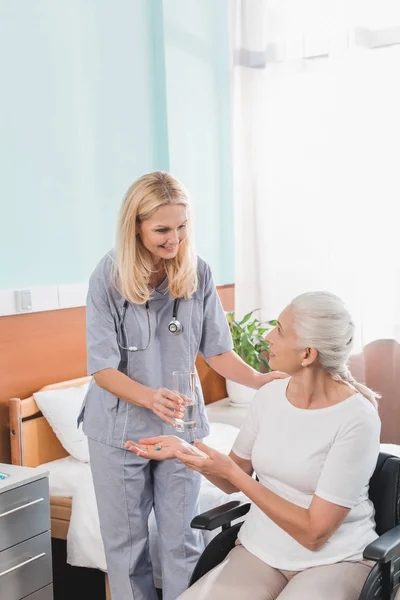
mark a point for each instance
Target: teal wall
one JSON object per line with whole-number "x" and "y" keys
{"x": 94, "y": 94}
{"x": 199, "y": 118}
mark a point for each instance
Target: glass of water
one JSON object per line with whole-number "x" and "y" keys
{"x": 184, "y": 384}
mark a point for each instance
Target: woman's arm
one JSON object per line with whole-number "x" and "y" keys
{"x": 311, "y": 527}
{"x": 227, "y": 486}
{"x": 231, "y": 366}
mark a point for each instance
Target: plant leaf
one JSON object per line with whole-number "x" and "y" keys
{"x": 248, "y": 336}
{"x": 246, "y": 318}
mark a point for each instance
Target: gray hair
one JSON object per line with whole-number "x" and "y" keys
{"x": 322, "y": 321}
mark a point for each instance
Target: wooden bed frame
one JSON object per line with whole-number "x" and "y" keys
{"x": 33, "y": 442}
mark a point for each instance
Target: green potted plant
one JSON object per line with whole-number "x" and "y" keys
{"x": 249, "y": 343}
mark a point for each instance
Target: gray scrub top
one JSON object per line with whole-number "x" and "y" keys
{"x": 113, "y": 421}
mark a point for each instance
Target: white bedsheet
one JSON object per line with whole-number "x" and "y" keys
{"x": 63, "y": 475}
{"x": 71, "y": 478}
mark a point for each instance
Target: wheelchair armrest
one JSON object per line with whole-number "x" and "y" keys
{"x": 385, "y": 548}
{"x": 221, "y": 516}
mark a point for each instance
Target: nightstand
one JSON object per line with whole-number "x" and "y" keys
{"x": 25, "y": 541}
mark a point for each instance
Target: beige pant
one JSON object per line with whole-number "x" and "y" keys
{"x": 243, "y": 576}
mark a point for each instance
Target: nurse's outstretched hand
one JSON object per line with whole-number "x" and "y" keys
{"x": 162, "y": 447}
{"x": 167, "y": 405}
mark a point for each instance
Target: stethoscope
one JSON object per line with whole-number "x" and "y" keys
{"x": 174, "y": 326}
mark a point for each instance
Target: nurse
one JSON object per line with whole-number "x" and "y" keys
{"x": 152, "y": 277}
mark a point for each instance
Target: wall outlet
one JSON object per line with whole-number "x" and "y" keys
{"x": 23, "y": 300}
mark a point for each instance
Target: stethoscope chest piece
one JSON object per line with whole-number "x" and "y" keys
{"x": 175, "y": 327}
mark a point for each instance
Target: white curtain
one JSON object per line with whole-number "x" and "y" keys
{"x": 317, "y": 159}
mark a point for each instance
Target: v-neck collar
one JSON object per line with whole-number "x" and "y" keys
{"x": 161, "y": 289}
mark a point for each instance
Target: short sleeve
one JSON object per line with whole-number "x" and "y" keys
{"x": 101, "y": 336}
{"x": 351, "y": 460}
{"x": 243, "y": 445}
{"x": 216, "y": 336}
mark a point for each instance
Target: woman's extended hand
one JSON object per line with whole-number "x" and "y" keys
{"x": 167, "y": 405}
{"x": 162, "y": 447}
{"x": 213, "y": 462}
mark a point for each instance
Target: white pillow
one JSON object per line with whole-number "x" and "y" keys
{"x": 61, "y": 409}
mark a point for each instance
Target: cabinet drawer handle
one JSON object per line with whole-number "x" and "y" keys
{"x": 26, "y": 562}
{"x": 13, "y": 510}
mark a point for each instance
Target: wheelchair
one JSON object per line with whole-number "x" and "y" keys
{"x": 384, "y": 491}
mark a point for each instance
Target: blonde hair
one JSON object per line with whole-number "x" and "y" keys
{"x": 133, "y": 265}
{"x": 322, "y": 321}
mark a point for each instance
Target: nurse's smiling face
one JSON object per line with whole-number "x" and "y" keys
{"x": 163, "y": 233}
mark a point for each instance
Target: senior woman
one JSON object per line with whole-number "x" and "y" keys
{"x": 313, "y": 440}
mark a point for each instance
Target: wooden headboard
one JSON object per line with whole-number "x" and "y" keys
{"x": 45, "y": 348}
{"x": 33, "y": 442}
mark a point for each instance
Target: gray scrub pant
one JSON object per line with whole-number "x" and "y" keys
{"x": 127, "y": 487}
{"x": 243, "y": 576}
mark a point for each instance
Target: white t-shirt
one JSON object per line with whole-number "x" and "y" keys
{"x": 296, "y": 453}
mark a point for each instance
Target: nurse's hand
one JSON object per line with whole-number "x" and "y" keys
{"x": 264, "y": 378}
{"x": 162, "y": 447}
{"x": 167, "y": 405}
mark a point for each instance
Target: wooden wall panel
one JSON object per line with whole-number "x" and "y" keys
{"x": 37, "y": 349}
{"x": 379, "y": 367}
{"x": 227, "y": 295}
